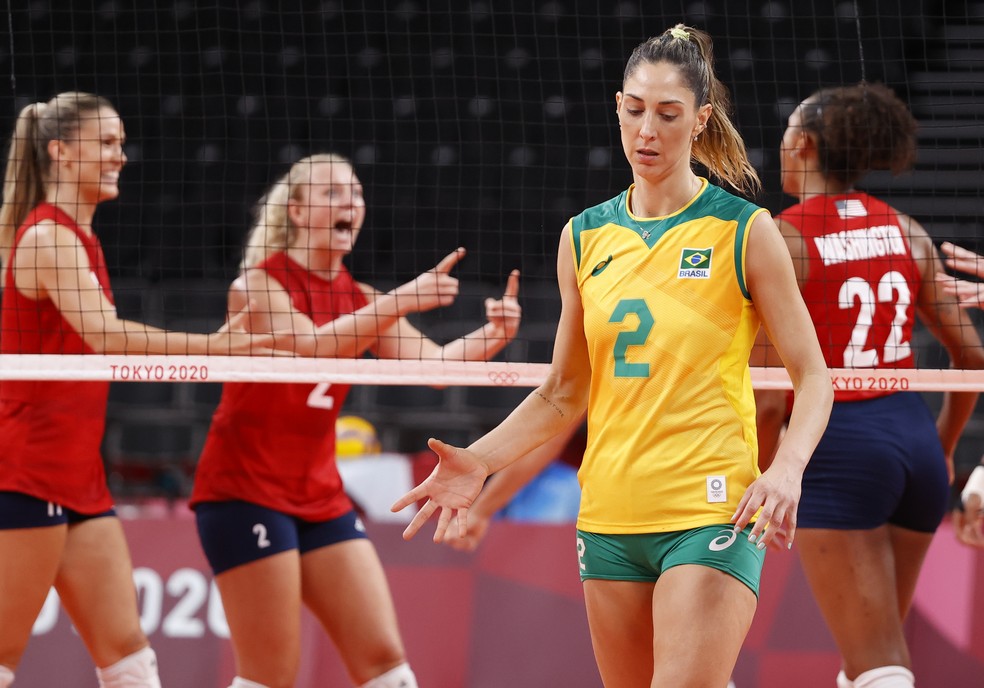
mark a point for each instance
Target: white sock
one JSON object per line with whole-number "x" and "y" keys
{"x": 6, "y": 677}
{"x": 243, "y": 683}
{"x": 397, "y": 677}
{"x": 843, "y": 681}
{"x": 138, "y": 670}
{"x": 886, "y": 677}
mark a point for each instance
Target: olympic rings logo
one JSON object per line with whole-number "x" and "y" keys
{"x": 504, "y": 379}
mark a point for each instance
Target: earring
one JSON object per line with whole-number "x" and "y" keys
{"x": 695, "y": 138}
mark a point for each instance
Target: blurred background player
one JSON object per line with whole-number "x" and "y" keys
{"x": 968, "y": 517}
{"x": 273, "y": 517}
{"x": 876, "y": 488}
{"x": 58, "y": 526}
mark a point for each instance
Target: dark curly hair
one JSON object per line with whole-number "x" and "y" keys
{"x": 860, "y": 128}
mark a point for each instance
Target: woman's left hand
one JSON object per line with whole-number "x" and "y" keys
{"x": 777, "y": 494}
{"x": 505, "y": 313}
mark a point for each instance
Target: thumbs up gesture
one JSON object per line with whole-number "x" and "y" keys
{"x": 432, "y": 289}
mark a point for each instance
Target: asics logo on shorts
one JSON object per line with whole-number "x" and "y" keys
{"x": 722, "y": 542}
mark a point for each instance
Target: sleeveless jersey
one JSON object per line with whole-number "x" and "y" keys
{"x": 273, "y": 444}
{"x": 862, "y": 284}
{"x": 669, "y": 326}
{"x": 51, "y": 432}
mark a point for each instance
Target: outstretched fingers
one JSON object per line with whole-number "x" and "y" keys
{"x": 419, "y": 519}
{"x": 962, "y": 259}
{"x": 776, "y": 521}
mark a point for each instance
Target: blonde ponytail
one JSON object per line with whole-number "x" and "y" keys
{"x": 28, "y": 161}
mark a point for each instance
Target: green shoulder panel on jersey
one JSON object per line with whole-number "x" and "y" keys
{"x": 595, "y": 217}
{"x": 726, "y": 206}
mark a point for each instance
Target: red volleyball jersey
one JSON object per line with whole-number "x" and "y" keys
{"x": 273, "y": 444}
{"x": 862, "y": 285}
{"x": 51, "y": 432}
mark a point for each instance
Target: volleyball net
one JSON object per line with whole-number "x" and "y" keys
{"x": 469, "y": 124}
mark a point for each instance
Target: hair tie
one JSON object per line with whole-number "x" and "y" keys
{"x": 677, "y": 32}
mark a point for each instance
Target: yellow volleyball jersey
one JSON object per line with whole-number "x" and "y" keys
{"x": 669, "y": 325}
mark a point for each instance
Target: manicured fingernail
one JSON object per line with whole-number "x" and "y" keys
{"x": 751, "y": 537}
{"x": 761, "y": 544}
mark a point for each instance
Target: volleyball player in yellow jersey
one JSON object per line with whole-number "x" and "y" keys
{"x": 663, "y": 288}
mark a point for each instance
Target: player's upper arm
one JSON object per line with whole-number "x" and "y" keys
{"x": 51, "y": 262}
{"x": 570, "y": 369}
{"x": 796, "y": 245}
{"x": 773, "y": 286}
{"x": 940, "y": 311}
{"x": 270, "y": 306}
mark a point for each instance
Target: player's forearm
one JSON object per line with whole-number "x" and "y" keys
{"x": 351, "y": 335}
{"x": 812, "y": 402}
{"x": 549, "y": 410}
{"x": 956, "y": 410}
{"x": 480, "y": 345}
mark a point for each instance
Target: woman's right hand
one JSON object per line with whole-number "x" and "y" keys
{"x": 452, "y": 486}
{"x": 234, "y": 339}
{"x": 433, "y": 289}
{"x": 968, "y": 294}
{"x": 968, "y": 522}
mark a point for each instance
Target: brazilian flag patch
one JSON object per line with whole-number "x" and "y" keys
{"x": 695, "y": 263}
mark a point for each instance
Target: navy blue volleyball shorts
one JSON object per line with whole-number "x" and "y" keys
{"x": 18, "y": 510}
{"x": 880, "y": 461}
{"x": 237, "y": 533}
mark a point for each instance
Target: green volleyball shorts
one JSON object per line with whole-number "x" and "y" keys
{"x": 644, "y": 556}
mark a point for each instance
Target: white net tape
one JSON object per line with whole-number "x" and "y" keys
{"x": 390, "y": 372}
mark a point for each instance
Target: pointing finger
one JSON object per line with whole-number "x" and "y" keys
{"x": 450, "y": 260}
{"x": 512, "y": 285}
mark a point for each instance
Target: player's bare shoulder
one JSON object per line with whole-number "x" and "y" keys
{"x": 918, "y": 238}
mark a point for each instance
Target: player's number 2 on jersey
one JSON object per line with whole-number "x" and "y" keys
{"x": 636, "y": 337}
{"x": 857, "y": 292}
{"x": 320, "y": 398}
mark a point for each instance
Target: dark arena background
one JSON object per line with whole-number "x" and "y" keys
{"x": 485, "y": 125}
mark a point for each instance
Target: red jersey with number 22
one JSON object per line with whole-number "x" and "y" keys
{"x": 51, "y": 431}
{"x": 273, "y": 444}
{"x": 862, "y": 283}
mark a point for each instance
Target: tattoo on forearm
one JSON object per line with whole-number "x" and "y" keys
{"x": 555, "y": 407}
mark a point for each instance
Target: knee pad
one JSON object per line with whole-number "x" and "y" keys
{"x": 397, "y": 677}
{"x": 138, "y": 670}
{"x": 6, "y": 677}
{"x": 886, "y": 677}
{"x": 243, "y": 683}
{"x": 843, "y": 681}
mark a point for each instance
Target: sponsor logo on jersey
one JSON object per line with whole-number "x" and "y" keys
{"x": 600, "y": 267}
{"x": 695, "y": 263}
